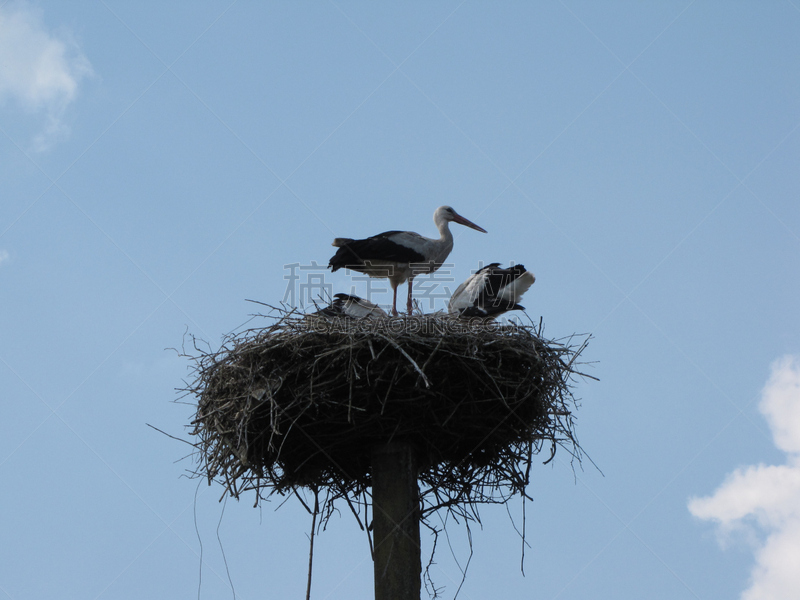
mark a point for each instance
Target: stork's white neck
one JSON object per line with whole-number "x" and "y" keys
{"x": 441, "y": 249}
{"x": 443, "y": 225}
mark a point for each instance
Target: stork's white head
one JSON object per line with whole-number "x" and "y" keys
{"x": 444, "y": 214}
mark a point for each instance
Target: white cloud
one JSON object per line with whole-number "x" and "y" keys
{"x": 4, "y": 256}
{"x": 39, "y": 71}
{"x": 764, "y": 498}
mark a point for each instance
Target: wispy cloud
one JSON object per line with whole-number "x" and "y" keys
{"x": 39, "y": 70}
{"x": 4, "y": 256}
{"x": 764, "y": 499}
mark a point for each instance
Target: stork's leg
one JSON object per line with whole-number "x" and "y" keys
{"x": 410, "y": 285}
{"x": 394, "y": 300}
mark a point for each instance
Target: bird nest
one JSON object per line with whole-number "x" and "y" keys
{"x": 302, "y": 402}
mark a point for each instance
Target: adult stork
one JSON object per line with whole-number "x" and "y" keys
{"x": 345, "y": 305}
{"x": 491, "y": 291}
{"x": 400, "y": 255}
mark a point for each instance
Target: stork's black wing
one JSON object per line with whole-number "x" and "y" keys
{"x": 355, "y": 253}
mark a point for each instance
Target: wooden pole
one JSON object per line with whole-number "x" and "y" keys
{"x": 395, "y": 522}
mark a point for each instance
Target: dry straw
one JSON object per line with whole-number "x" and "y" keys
{"x": 301, "y": 403}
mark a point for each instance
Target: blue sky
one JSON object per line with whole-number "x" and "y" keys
{"x": 160, "y": 163}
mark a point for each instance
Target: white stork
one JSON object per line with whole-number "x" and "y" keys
{"x": 491, "y": 291}
{"x": 399, "y": 255}
{"x": 345, "y": 305}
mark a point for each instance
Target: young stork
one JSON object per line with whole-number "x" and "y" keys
{"x": 491, "y": 291}
{"x": 399, "y": 255}
{"x": 345, "y": 305}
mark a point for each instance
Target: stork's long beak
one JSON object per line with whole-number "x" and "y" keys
{"x": 462, "y": 221}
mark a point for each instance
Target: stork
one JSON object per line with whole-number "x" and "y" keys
{"x": 491, "y": 291}
{"x": 345, "y": 305}
{"x": 400, "y": 255}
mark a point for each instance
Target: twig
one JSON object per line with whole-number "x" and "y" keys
{"x": 411, "y": 360}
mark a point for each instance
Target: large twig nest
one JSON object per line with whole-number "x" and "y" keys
{"x": 302, "y": 403}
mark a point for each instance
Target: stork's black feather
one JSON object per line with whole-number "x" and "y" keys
{"x": 495, "y": 295}
{"x": 345, "y": 305}
{"x": 355, "y": 253}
